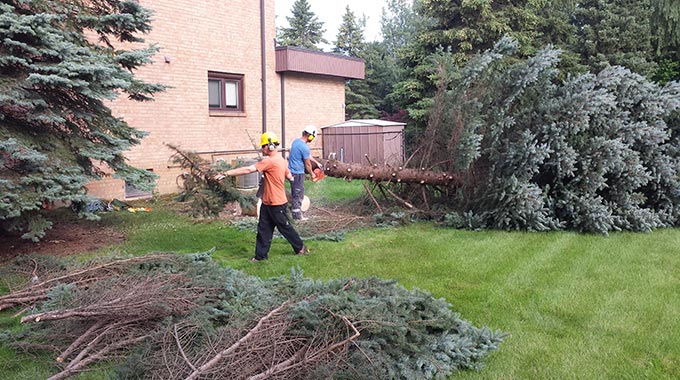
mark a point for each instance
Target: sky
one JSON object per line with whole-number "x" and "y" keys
{"x": 330, "y": 12}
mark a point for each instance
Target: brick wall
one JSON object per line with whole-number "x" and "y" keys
{"x": 312, "y": 99}
{"x": 197, "y": 37}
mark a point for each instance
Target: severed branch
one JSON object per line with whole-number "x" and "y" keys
{"x": 99, "y": 355}
{"x": 283, "y": 366}
{"x": 370, "y": 194}
{"x": 93, "y": 344}
{"x": 38, "y": 291}
{"x": 299, "y": 357}
{"x": 138, "y": 298}
{"x": 427, "y": 204}
{"x": 339, "y": 344}
{"x": 234, "y": 346}
{"x": 407, "y": 204}
{"x": 181, "y": 350}
{"x": 81, "y": 339}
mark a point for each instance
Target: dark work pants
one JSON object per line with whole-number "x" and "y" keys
{"x": 270, "y": 217}
{"x": 297, "y": 189}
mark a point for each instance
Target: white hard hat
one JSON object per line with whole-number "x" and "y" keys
{"x": 310, "y": 130}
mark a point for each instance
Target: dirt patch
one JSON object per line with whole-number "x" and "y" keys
{"x": 65, "y": 238}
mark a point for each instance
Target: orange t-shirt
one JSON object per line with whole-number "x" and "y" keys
{"x": 275, "y": 170}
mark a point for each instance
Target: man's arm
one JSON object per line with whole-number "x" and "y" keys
{"x": 234, "y": 172}
{"x": 242, "y": 170}
{"x": 318, "y": 164}
{"x": 308, "y": 167}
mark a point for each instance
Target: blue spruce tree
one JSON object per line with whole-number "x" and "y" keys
{"x": 595, "y": 152}
{"x": 59, "y": 62}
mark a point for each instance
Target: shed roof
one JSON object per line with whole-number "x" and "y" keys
{"x": 295, "y": 59}
{"x": 365, "y": 122}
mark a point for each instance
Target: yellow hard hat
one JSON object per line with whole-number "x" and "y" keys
{"x": 269, "y": 138}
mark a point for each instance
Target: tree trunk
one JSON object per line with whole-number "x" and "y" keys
{"x": 399, "y": 174}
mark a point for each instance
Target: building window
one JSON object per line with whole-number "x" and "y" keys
{"x": 225, "y": 92}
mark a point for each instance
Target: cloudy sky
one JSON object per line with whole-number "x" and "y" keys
{"x": 331, "y": 12}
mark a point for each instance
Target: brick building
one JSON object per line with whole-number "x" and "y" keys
{"x": 228, "y": 83}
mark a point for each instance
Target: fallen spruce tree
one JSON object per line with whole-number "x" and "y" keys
{"x": 170, "y": 316}
{"x": 510, "y": 144}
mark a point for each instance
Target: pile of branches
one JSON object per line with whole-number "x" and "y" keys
{"x": 272, "y": 349}
{"x": 183, "y": 317}
{"x": 101, "y": 310}
{"x": 45, "y": 274}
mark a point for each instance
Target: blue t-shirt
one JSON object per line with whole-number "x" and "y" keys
{"x": 299, "y": 152}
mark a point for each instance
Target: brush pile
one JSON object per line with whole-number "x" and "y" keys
{"x": 168, "y": 316}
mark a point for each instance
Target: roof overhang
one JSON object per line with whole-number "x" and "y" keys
{"x": 366, "y": 123}
{"x": 299, "y": 60}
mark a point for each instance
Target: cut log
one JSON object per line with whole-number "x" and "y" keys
{"x": 378, "y": 173}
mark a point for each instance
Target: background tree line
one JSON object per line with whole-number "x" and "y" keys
{"x": 641, "y": 35}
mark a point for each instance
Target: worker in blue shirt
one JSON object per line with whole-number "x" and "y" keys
{"x": 299, "y": 160}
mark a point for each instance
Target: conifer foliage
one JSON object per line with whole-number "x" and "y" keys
{"x": 58, "y": 64}
{"x": 304, "y": 30}
{"x": 350, "y": 37}
{"x": 593, "y": 153}
{"x": 206, "y": 194}
{"x": 183, "y": 317}
{"x": 360, "y": 98}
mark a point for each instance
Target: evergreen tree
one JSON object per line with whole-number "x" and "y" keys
{"x": 556, "y": 27}
{"x": 360, "y": 100}
{"x": 350, "y": 38}
{"x": 464, "y": 29}
{"x": 304, "y": 28}
{"x": 598, "y": 153}
{"x": 665, "y": 26}
{"x": 614, "y": 32}
{"x": 56, "y": 133}
{"x": 382, "y": 72}
{"x": 398, "y": 24}
{"x": 593, "y": 35}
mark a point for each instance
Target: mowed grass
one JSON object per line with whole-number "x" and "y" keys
{"x": 576, "y": 306}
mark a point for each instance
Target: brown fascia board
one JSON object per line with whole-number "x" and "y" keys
{"x": 299, "y": 60}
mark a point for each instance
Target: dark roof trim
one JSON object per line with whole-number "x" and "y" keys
{"x": 365, "y": 123}
{"x": 299, "y": 60}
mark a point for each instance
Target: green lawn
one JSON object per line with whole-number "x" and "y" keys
{"x": 576, "y": 306}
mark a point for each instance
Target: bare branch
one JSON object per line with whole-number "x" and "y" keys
{"x": 181, "y": 350}
{"x": 234, "y": 346}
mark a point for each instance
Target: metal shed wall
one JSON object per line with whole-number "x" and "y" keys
{"x": 383, "y": 144}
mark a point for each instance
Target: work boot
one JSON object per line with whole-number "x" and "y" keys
{"x": 303, "y": 251}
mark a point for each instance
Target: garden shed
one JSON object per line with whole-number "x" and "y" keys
{"x": 381, "y": 140}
